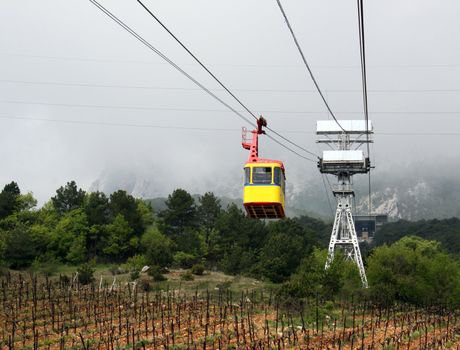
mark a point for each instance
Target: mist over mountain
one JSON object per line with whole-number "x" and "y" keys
{"x": 412, "y": 191}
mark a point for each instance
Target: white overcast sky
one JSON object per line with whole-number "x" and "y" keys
{"x": 66, "y": 61}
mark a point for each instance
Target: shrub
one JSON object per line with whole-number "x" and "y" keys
{"x": 116, "y": 270}
{"x": 144, "y": 284}
{"x": 134, "y": 266}
{"x": 86, "y": 273}
{"x": 198, "y": 269}
{"x": 187, "y": 276}
{"x": 134, "y": 275}
{"x": 136, "y": 262}
{"x": 156, "y": 273}
{"x": 47, "y": 266}
{"x": 413, "y": 270}
{"x": 224, "y": 285}
{"x": 184, "y": 260}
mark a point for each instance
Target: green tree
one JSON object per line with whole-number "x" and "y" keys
{"x": 26, "y": 201}
{"x": 239, "y": 240}
{"x": 238, "y": 260}
{"x": 209, "y": 211}
{"x": 41, "y": 237}
{"x": 321, "y": 230}
{"x": 99, "y": 215}
{"x": 236, "y": 229}
{"x": 181, "y": 213}
{"x": 68, "y": 197}
{"x": 286, "y": 244}
{"x": 157, "y": 248}
{"x": 19, "y": 250}
{"x": 124, "y": 204}
{"x": 68, "y": 238}
{"x": 145, "y": 211}
{"x": 77, "y": 251}
{"x": 97, "y": 209}
{"x": 119, "y": 241}
{"x": 9, "y": 199}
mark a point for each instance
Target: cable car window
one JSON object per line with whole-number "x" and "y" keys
{"x": 283, "y": 184}
{"x": 262, "y": 175}
{"x": 247, "y": 176}
{"x": 277, "y": 176}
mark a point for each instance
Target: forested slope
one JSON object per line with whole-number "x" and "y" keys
{"x": 446, "y": 231}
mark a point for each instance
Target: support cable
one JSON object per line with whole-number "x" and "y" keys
{"x": 290, "y": 149}
{"x": 362, "y": 49}
{"x": 218, "y": 80}
{"x": 197, "y": 60}
{"x": 164, "y": 57}
{"x": 307, "y": 65}
{"x": 327, "y": 193}
{"x": 159, "y": 53}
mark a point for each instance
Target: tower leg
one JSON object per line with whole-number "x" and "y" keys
{"x": 334, "y": 236}
{"x": 356, "y": 250}
{"x": 344, "y": 234}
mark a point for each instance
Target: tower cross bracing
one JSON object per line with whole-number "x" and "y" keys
{"x": 344, "y": 160}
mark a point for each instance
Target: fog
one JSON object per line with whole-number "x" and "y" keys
{"x": 83, "y": 100}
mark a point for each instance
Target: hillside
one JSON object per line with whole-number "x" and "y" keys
{"x": 447, "y": 232}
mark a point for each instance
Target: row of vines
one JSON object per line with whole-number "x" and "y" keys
{"x": 42, "y": 313}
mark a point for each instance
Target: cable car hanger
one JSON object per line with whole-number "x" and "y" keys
{"x": 264, "y": 184}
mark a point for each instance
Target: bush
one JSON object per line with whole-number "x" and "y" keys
{"x": 198, "y": 269}
{"x": 144, "y": 284}
{"x": 86, "y": 273}
{"x": 46, "y": 266}
{"x": 134, "y": 275}
{"x": 341, "y": 277}
{"x": 187, "y": 276}
{"x": 134, "y": 266}
{"x": 413, "y": 270}
{"x": 156, "y": 273}
{"x": 184, "y": 260}
{"x": 224, "y": 285}
{"x": 116, "y": 270}
{"x": 136, "y": 262}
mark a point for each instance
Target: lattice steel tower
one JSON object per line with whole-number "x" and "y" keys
{"x": 344, "y": 160}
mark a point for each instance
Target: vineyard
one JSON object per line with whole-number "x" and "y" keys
{"x": 42, "y": 313}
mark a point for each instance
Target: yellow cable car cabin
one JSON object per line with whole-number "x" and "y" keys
{"x": 264, "y": 185}
{"x": 264, "y": 181}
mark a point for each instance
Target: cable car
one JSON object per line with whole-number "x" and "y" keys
{"x": 264, "y": 179}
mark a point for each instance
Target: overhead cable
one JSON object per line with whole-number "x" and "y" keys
{"x": 439, "y": 113}
{"x": 307, "y": 65}
{"x": 217, "y": 79}
{"x": 173, "y": 127}
{"x": 146, "y": 87}
{"x": 197, "y": 60}
{"x": 159, "y": 53}
{"x": 362, "y": 49}
{"x": 327, "y": 194}
{"x": 271, "y": 66}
